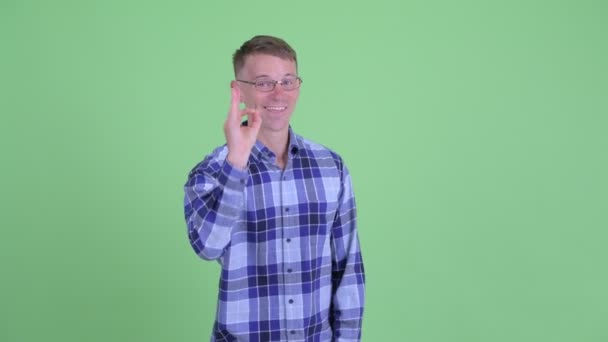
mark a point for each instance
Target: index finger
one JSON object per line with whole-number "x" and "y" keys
{"x": 235, "y": 102}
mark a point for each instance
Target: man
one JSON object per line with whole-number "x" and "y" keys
{"x": 278, "y": 213}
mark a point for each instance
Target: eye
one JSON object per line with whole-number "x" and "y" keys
{"x": 264, "y": 84}
{"x": 288, "y": 82}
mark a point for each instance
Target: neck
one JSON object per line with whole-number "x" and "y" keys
{"x": 277, "y": 143}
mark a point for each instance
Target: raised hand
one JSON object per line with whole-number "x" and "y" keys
{"x": 240, "y": 139}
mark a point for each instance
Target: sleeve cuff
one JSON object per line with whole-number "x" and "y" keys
{"x": 233, "y": 178}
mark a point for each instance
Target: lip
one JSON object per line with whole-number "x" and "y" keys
{"x": 275, "y": 109}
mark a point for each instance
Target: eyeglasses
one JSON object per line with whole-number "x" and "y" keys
{"x": 289, "y": 83}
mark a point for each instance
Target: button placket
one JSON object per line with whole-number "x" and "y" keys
{"x": 290, "y": 254}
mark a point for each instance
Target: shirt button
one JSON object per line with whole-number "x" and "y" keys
{"x": 242, "y": 181}
{"x": 291, "y": 301}
{"x": 293, "y": 332}
{"x": 286, "y": 209}
{"x": 288, "y": 240}
{"x": 289, "y": 270}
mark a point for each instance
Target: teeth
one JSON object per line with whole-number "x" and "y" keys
{"x": 275, "y": 108}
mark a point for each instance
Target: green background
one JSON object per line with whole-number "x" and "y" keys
{"x": 475, "y": 131}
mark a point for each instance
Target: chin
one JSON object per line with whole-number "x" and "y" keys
{"x": 276, "y": 123}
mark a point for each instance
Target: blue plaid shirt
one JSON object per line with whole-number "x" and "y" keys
{"x": 286, "y": 240}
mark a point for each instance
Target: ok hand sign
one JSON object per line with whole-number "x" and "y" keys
{"x": 240, "y": 139}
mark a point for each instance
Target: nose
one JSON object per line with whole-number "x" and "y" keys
{"x": 278, "y": 89}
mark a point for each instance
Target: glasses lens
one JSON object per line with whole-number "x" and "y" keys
{"x": 290, "y": 83}
{"x": 264, "y": 85}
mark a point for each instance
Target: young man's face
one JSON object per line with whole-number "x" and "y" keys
{"x": 276, "y": 106}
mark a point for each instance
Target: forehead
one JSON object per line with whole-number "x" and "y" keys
{"x": 259, "y": 65}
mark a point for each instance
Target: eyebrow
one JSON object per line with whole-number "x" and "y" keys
{"x": 267, "y": 76}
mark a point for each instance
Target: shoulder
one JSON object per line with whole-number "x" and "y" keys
{"x": 211, "y": 163}
{"x": 320, "y": 153}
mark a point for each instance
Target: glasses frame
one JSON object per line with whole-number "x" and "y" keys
{"x": 274, "y": 84}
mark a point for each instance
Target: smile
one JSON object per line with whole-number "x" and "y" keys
{"x": 275, "y": 108}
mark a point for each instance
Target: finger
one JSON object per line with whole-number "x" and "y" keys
{"x": 234, "y": 113}
{"x": 255, "y": 120}
{"x": 242, "y": 114}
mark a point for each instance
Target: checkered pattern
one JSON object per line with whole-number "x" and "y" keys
{"x": 287, "y": 243}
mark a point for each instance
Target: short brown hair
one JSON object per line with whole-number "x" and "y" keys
{"x": 267, "y": 45}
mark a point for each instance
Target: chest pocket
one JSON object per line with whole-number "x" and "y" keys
{"x": 318, "y": 190}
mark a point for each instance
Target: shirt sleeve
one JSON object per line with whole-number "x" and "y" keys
{"x": 348, "y": 276}
{"x": 214, "y": 198}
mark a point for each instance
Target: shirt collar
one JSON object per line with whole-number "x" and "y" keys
{"x": 260, "y": 152}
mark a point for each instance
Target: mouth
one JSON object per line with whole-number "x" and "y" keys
{"x": 275, "y": 109}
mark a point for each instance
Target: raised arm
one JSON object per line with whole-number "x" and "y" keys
{"x": 214, "y": 192}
